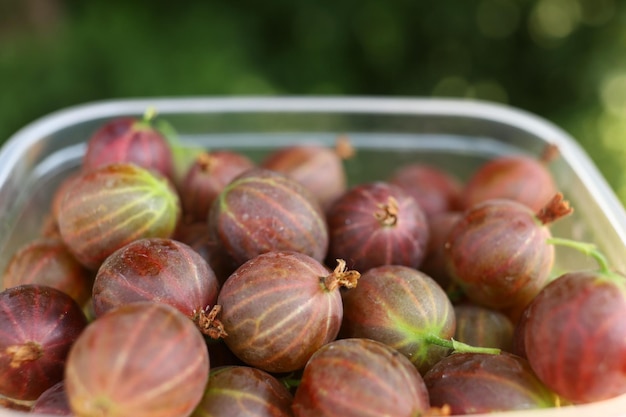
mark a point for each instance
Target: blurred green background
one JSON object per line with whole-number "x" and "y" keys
{"x": 564, "y": 60}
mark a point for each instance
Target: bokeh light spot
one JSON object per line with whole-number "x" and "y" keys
{"x": 488, "y": 90}
{"x": 452, "y": 86}
{"x": 597, "y": 12}
{"x": 611, "y": 130}
{"x": 497, "y": 18}
{"x": 553, "y": 20}
{"x": 613, "y": 94}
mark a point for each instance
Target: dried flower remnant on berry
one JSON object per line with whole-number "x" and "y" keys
{"x": 555, "y": 209}
{"x": 344, "y": 148}
{"x": 29, "y": 351}
{"x": 387, "y": 214}
{"x": 207, "y": 322}
{"x": 341, "y": 276}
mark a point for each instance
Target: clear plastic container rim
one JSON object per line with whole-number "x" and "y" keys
{"x": 451, "y": 107}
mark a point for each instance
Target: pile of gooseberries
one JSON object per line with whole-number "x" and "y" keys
{"x": 216, "y": 284}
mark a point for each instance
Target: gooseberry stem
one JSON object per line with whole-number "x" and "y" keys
{"x": 460, "y": 347}
{"x": 149, "y": 114}
{"x": 146, "y": 121}
{"x": 588, "y": 249}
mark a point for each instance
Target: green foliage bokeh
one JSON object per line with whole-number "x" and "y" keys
{"x": 560, "y": 59}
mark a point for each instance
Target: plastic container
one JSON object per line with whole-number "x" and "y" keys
{"x": 456, "y": 134}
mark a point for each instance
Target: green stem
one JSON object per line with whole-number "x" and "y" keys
{"x": 145, "y": 123}
{"x": 588, "y": 249}
{"x": 459, "y": 347}
{"x": 149, "y": 115}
